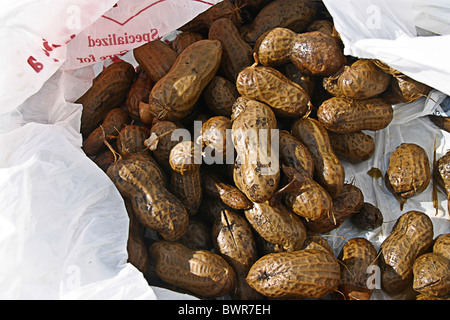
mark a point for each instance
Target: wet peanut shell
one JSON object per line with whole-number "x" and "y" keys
{"x": 109, "y": 90}
{"x": 156, "y": 58}
{"x": 174, "y": 96}
{"x": 293, "y": 73}
{"x": 219, "y": 96}
{"x": 411, "y": 236}
{"x": 156, "y": 208}
{"x": 441, "y": 245}
{"x": 327, "y": 27}
{"x": 353, "y": 147}
{"x": 161, "y": 142}
{"x": 274, "y": 46}
{"x": 328, "y": 170}
{"x": 197, "y": 235}
{"x": 431, "y": 275}
{"x": 368, "y": 218}
{"x": 216, "y": 132}
{"x": 185, "y": 39}
{"x": 316, "y": 53}
{"x": 408, "y": 172}
{"x": 201, "y": 272}
{"x": 360, "y": 80}
{"x": 295, "y": 154}
{"x": 104, "y": 159}
{"x": 349, "y": 201}
{"x": 236, "y": 53}
{"x": 256, "y": 173}
{"x": 277, "y": 225}
{"x": 231, "y": 196}
{"x": 233, "y": 239}
{"x": 114, "y": 121}
{"x": 298, "y": 274}
{"x": 257, "y": 82}
{"x": 317, "y": 242}
{"x": 441, "y": 122}
{"x": 344, "y": 115}
{"x": 357, "y": 255}
{"x": 186, "y": 182}
{"x": 441, "y": 173}
{"x": 291, "y": 14}
{"x": 138, "y": 93}
{"x": 130, "y": 140}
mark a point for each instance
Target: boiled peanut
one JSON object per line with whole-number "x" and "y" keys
{"x": 174, "y": 96}
{"x": 306, "y": 82}
{"x": 156, "y": 208}
{"x": 344, "y": 115}
{"x": 411, "y": 236}
{"x": 274, "y": 46}
{"x": 368, "y": 218}
{"x": 104, "y": 159}
{"x": 277, "y": 225}
{"x": 184, "y": 40}
{"x": 197, "y": 235}
{"x": 291, "y": 14}
{"x": 441, "y": 174}
{"x": 109, "y": 90}
{"x": 441, "y": 245}
{"x": 257, "y": 172}
{"x": 136, "y": 247}
{"x": 357, "y": 256}
{"x": 131, "y": 140}
{"x": 219, "y": 96}
{"x": 114, "y": 121}
{"x": 216, "y": 133}
{"x": 360, "y": 80}
{"x": 328, "y": 170}
{"x": 431, "y": 275}
{"x": 186, "y": 181}
{"x": 161, "y": 142}
{"x": 156, "y": 58}
{"x": 353, "y": 147}
{"x": 233, "y": 238}
{"x": 138, "y": 93}
{"x": 317, "y": 242}
{"x": 201, "y": 272}
{"x": 408, "y": 172}
{"x": 257, "y": 82}
{"x": 236, "y": 53}
{"x": 403, "y": 89}
{"x": 295, "y": 154}
{"x": 304, "y": 273}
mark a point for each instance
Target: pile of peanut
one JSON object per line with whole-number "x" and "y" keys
{"x": 227, "y": 218}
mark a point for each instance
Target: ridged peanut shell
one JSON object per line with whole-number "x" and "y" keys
{"x": 431, "y": 273}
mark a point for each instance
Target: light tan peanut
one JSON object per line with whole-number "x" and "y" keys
{"x": 411, "y": 236}
{"x": 431, "y": 275}
{"x": 215, "y": 134}
{"x": 354, "y": 147}
{"x": 201, "y": 272}
{"x": 441, "y": 245}
{"x": 304, "y": 273}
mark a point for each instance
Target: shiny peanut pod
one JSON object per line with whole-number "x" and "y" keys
{"x": 175, "y": 95}
{"x": 408, "y": 172}
{"x": 304, "y": 273}
{"x": 236, "y": 53}
{"x": 277, "y": 225}
{"x": 431, "y": 275}
{"x": 219, "y": 96}
{"x": 289, "y": 100}
{"x": 185, "y": 39}
{"x": 201, "y": 272}
{"x": 138, "y": 93}
{"x": 273, "y": 47}
{"x": 354, "y": 147}
{"x": 441, "y": 245}
{"x": 197, "y": 235}
{"x": 358, "y": 256}
{"x": 215, "y": 135}
{"x": 295, "y": 154}
{"x": 114, "y": 121}
{"x": 130, "y": 140}
{"x": 344, "y": 115}
{"x": 156, "y": 208}
{"x": 411, "y": 236}
{"x": 328, "y": 170}
{"x": 109, "y": 90}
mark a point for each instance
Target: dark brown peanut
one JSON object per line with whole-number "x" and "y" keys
{"x": 236, "y": 53}
{"x": 368, "y": 218}
{"x": 295, "y": 154}
{"x": 277, "y": 225}
{"x": 156, "y": 58}
{"x": 186, "y": 181}
{"x": 138, "y": 93}
{"x": 175, "y": 95}
{"x": 201, "y": 272}
{"x": 137, "y": 249}
{"x": 104, "y": 159}
{"x": 197, "y": 235}
{"x": 441, "y": 174}
{"x": 161, "y": 142}
{"x": 299, "y": 274}
{"x": 114, "y": 121}
{"x": 109, "y": 90}
{"x": 328, "y": 170}
{"x": 219, "y": 96}
{"x": 357, "y": 256}
{"x": 408, "y": 172}
{"x": 233, "y": 238}
{"x": 131, "y": 140}
{"x": 306, "y": 82}
{"x": 184, "y": 40}
{"x": 354, "y": 147}
{"x": 361, "y": 80}
{"x": 216, "y": 133}
{"x": 344, "y": 115}
{"x": 411, "y": 236}
{"x": 295, "y": 15}
{"x": 156, "y": 208}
